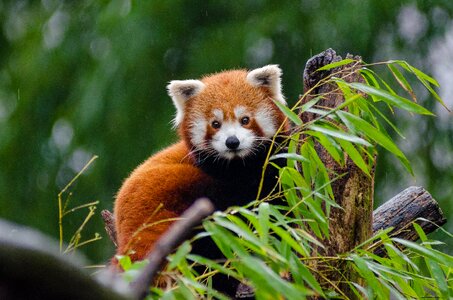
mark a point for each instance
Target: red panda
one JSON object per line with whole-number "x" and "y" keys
{"x": 226, "y": 122}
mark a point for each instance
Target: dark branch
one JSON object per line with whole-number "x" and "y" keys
{"x": 33, "y": 268}
{"x": 411, "y": 205}
{"x": 175, "y": 235}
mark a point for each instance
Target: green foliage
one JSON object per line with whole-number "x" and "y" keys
{"x": 271, "y": 247}
{"x": 83, "y": 78}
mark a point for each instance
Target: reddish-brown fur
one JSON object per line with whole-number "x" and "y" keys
{"x": 168, "y": 182}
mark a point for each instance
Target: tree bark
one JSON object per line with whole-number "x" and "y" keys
{"x": 414, "y": 204}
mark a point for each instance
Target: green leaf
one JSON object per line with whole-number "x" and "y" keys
{"x": 180, "y": 254}
{"x": 185, "y": 282}
{"x": 369, "y": 77}
{"x": 297, "y": 266}
{"x": 401, "y": 80}
{"x": 285, "y": 236}
{"x": 433, "y": 267}
{"x": 223, "y": 239}
{"x": 359, "y": 125}
{"x": 369, "y": 276}
{"x": 289, "y": 113}
{"x": 309, "y": 104}
{"x": 395, "y": 100}
{"x": 263, "y": 217}
{"x": 329, "y": 144}
{"x": 293, "y": 156}
{"x": 355, "y": 156}
{"x": 266, "y": 281}
{"x": 213, "y": 265}
{"x": 415, "y": 71}
{"x": 336, "y": 64}
{"x": 435, "y": 255}
{"x": 388, "y": 121}
{"x": 340, "y": 134}
{"x": 424, "y": 79}
{"x": 241, "y": 231}
{"x": 124, "y": 261}
{"x": 392, "y": 250}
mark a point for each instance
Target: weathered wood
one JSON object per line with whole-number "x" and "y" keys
{"x": 174, "y": 236}
{"x": 411, "y": 205}
{"x": 351, "y": 225}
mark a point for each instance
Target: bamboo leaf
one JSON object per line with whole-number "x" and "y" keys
{"x": 355, "y": 156}
{"x": 284, "y": 235}
{"x": 266, "y": 280}
{"x": 336, "y": 64}
{"x": 392, "y": 99}
{"x": 367, "y": 274}
{"x": 424, "y": 79}
{"x": 402, "y": 80}
{"x": 435, "y": 255}
{"x": 415, "y": 71}
{"x": 309, "y": 104}
{"x": 387, "y": 121}
{"x": 359, "y": 125}
{"x": 224, "y": 240}
{"x": 245, "y": 233}
{"x": 293, "y": 156}
{"x": 329, "y": 144}
{"x": 369, "y": 76}
{"x": 289, "y": 113}
{"x": 263, "y": 217}
{"x": 299, "y": 267}
{"x": 180, "y": 254}
{"x": 213, "y": 265}
{"x": 433, "y": 267}
{"x": 187, "y": 294}
{"x": 340, "y": 135}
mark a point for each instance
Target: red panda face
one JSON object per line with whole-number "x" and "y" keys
{"x": 233, "y": 133}
{"x": 231, "y": 114}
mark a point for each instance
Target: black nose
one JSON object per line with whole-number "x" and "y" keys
{"x": 232, "y": 142}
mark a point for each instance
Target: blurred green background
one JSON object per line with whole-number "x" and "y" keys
{"x": 84, "y": 78}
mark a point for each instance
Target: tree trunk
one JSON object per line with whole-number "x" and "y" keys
{"x": 352, "y": 224}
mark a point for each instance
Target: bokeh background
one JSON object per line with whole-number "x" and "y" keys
{"x": 83, "y": 78}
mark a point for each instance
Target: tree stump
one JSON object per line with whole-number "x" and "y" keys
{"x": 350, "y": 225}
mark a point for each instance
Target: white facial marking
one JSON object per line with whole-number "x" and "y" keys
{"x": 218, "y": 114}
{"x": 264, "y": 118}
{"x": 245, "y": 136}
{"x": 239, "y": 111}
{"x": 198, "y": 132}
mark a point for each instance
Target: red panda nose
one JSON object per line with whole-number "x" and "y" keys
{"x": 232, "y": 142}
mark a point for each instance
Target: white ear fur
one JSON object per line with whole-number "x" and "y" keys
{"x": 268, "y": 76}
{"x": 180, "y": 91}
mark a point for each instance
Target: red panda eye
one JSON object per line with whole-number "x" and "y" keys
{"x": 216, "y": 124}
{"x": 245, "y": 120}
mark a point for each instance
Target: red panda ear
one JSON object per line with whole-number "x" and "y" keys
{"x": 180, "y": 91}
{"x": 268, "y": 76}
